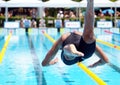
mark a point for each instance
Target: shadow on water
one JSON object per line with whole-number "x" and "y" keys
{"x": 38, "y": 71}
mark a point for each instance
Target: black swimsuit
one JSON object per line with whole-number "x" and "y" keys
{"x": 81, "y": 45}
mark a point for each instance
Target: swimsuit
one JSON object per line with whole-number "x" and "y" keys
{"x": 81, "y": 45}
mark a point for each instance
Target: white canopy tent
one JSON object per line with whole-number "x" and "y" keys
{"x": 20, "y": 3}
{"x": 61, "y": 3}
{"x": 2, "y": 3}
{"x": 98, "y": 3}
{"x": 117, "y": 3}
{"x": 57, "y": 3}
{"x": 25, "y": 3}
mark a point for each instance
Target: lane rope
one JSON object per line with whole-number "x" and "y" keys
{"x": 2, "y": 53}
{"x": 107, "y": 43}
{"x": 98, "y": 80}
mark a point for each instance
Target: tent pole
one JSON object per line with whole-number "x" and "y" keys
{"x": 6, "y": 13}
{"x": 115, "y": 17}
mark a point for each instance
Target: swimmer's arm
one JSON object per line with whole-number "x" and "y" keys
{"x": 52, "y": 52}
{"x": 103, "y": 58}
{"x": 79, "y": 33}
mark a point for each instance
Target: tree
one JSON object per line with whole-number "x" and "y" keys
{"x": 6, "y": 0}
{"x": 45, "y": 0}
{"x": 77, "y": 0}
{"x": 81, "y": 0}
{"x": 113, "y": 0}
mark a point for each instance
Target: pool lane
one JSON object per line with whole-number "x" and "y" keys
{"x": 17, "y": 66}
{"x": 90, "y": 73}
{"x": 66, "y": 75}
{"x": 116, "y": 67}
{"x": 107, "y": 72}
{"x": 60, "y": 74}
{"x": 38, "y": 71}
{"x": 106, "y": 42}
{"x": 2, "y": 53}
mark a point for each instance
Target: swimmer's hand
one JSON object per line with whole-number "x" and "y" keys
{"x": 98, "y": 63}
{"x": 78, "y": 53}
{"x": 54, "y": 61}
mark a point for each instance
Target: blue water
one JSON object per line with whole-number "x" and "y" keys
{"x": 21, "y": 64}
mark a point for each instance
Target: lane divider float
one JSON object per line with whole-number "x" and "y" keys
{"x": 107, "y": 31}
{"x": 108, "y": 44}
{"x": 98, "y": 80}
{"x": 2, "y": 53}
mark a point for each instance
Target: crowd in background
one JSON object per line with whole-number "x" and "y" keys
{"x": 33, "y": 12}
{"x": 61, "y": 13}
{"x": 18, "y": 12}
{"x": 31, "y": 22}
{"x": 66, "y": 14}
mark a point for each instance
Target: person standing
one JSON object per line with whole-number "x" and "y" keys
{"x": 58, "y": 24}
{"x": 27, "y": 24}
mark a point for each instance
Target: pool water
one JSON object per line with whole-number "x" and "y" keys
{"x": 21, "y": 63}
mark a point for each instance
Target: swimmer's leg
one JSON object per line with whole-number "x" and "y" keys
{"x": 88, "y": 33}
{"x": 71, "y": 52}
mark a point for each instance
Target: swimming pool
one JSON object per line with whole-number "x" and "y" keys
{"x": 21, "y": 63}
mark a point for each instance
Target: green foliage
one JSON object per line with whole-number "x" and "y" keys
{"x": 113, "y": 0}
{"x": 81, "y": 0}
{"x": 77, "y": 0}
{"x": 45, "y": 0}
{"x": 6, "y": 0}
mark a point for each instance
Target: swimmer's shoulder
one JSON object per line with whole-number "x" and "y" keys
{"x": 65, "y": 36}
{"x": 77, "y": 32}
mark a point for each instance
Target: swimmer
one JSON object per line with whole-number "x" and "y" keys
{"x": 77, "y": 46}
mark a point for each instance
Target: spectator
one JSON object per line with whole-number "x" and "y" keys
{"x": 42, "y": 22}
{"x": 72, "y": 15}
{"x": 21, "y": 24}
{"x": 34, "y": 24}
{"x": 60, "y": 15}
{"x": 27, "y": 25}
{"x": 58, "y": 24}
{"x": 34, "y": 14}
